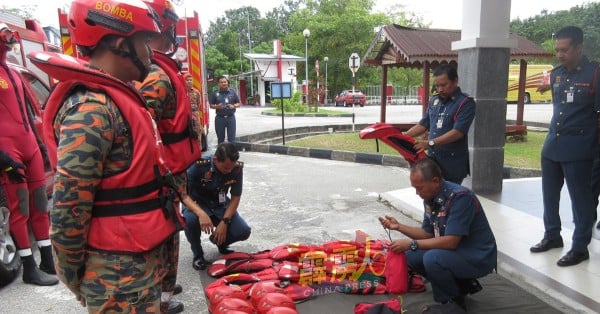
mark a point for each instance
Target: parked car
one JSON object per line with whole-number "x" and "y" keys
{"x": 347, "y": 98}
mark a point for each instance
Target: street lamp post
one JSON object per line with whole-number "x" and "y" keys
{"x": 306, "y": 34}
{"x": 326, "y": 59}
{"x": 250, "y": 51}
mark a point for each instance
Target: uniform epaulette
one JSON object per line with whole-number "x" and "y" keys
{"x": 240, "y": 164}
{"x": 203, "y": 162}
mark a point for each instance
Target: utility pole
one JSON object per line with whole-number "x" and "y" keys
{"x": 250, "y": 51}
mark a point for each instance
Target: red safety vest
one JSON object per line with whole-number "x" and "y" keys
{"x": 129, "y": 212}
{"x": 181, "y": 145}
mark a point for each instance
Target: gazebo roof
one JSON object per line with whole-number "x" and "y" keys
{"x": 410, "y": 47}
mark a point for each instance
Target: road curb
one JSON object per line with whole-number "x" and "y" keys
{"x": 270, "y": 142}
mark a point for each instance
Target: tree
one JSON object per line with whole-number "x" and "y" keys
{"x": 337, "y": 29}
{"x": 24, "y": 11}
{"x": 540, "y": 28}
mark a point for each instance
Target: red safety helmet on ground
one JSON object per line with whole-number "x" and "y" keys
{"x": 91, "y": 20}
{"x": 271, "y": 300}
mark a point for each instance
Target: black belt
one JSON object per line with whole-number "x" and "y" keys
{"x": 224, "y": 116}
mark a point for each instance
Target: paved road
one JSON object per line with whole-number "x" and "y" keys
{"x": 250, "y": 120}
{"x": 286, "y": 199}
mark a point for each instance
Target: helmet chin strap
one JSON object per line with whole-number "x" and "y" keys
{"x": 131, "y": 54}
{"x": 174, "y": 45}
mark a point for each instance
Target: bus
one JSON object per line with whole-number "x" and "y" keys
{"x": 537, "y": 74}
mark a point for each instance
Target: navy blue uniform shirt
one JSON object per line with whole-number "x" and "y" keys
{"x": 455, "y": 210}
{"x": 572, "y": 132}
{"x": 458, "y": 113}
{"x": 224, "y": 97}
{"x": 205, "y": 183}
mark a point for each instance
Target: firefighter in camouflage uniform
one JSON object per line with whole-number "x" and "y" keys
{"x": 165, "y": 92}
{"x": 112, "y": 216}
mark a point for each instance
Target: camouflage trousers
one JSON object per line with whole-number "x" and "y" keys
{"x": 144, "y": 301}
{"x": 168, "y": 282}
{"x": 124, "y": 283}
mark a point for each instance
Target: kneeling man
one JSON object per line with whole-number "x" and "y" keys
{"x": 454, "y": 245}
{"x": 210, "y": 181}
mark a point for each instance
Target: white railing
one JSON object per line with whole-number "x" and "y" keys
{"x": 399, "y": 95}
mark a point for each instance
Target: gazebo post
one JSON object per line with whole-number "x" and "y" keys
{"x": 384, "y": 79}
{"x": 426, "y": 84}
{"x": 521, "y": 97}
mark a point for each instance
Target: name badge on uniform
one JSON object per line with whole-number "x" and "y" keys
{"x": 570, "y": 95}
{"x": 440, "y": 122}
{"x": 222, "y": 197}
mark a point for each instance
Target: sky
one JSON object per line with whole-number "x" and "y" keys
{"x": 442, "y": 14}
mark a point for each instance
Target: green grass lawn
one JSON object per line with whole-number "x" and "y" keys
{"x": 525, "y": 154}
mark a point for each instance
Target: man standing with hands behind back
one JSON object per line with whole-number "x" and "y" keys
{"x": 225, "y": 101}
{"x": 571, "y": 146}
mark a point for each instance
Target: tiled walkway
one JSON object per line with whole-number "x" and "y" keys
{"x": 515, "y": 216}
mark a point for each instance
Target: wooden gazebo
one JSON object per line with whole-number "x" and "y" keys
{"x": 399, "y": 46}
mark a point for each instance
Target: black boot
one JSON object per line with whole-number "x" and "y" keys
{"x": 33, "y": 275}
{"x": 171, "y": 307}
{"x": 200, "y": 263}
{"x": 47, "y": 264}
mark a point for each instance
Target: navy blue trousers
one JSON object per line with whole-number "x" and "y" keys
{"x": 238, "y": 230}
{"x": 223, "y": 124}
{"x": 578, "y": 176}
{"x": 442, "y": 268}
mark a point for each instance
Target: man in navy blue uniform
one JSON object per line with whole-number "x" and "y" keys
{"x": 448, "y": 119}
{"x": 210, "y": 181}
{"x": 571, "y": 146}
{"x": 225, "y": 101}
{"x": 454, "y": 244}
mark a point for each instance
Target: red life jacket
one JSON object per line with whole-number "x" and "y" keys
{"x": 129, "y": 212}
{"x": 181, "y": 144}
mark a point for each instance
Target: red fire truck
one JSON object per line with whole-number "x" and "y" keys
{"x": 31, "y": 37}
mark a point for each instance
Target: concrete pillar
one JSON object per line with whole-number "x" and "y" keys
{"x": 483, "y": 57}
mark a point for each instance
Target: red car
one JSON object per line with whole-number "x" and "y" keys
{"x": 36, "y": 94}
{"x": 347, "y": 98}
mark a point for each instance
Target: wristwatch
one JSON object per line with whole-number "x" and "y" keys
{"x": 413, "y": 245}
{"x": 431, "y": 143}
{"x": 227, "y": 220}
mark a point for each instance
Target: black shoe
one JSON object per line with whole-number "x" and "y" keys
{"x": 460, "y": 301}
{"x": 469, "y": 286}
{"x": 171, "y": 307}
{"x": 448, "y": 307}
{"x": 573, "y": 258}
{"x": 178, "y": 289}
{"x": 47, "y": 263}
{"x": 546, "y": 245}
{"x": 33, "y": 275}
{"x": 225, "y": 250}
{"x": 200, "y": 263}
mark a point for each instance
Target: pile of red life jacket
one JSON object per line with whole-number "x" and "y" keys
{"x": 273, "y": 281}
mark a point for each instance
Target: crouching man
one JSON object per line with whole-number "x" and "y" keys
{"x": 210, "y": 180}
{"x": 454, "y": 245}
